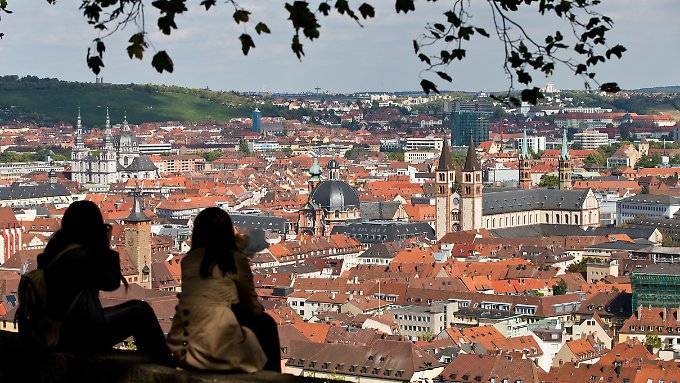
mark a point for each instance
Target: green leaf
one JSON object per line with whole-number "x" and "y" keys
{"x": 262, "y": 28}
{"x": 428, "y": 86}
{"x": 444, "y": 76}
{"x": 405, "y": 6}
{"x": 137, "y": 46}
{"x": 366, "y": 10}
{"x": 482, "y": 32}
{"x": 241, "y": 16}
{"x": 208, "y": 3}
{"x": 162, "y": 62}
{"x": 324, "y": 8}
{"x": 296, "y": 46}
{"x": 246, "y": 43}
{"x": 101, "y": 48}
{"x": 610, "y": 87}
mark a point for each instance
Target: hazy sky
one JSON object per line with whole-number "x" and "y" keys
{"x": 51, "y": 41}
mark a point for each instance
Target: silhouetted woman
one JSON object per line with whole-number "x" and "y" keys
{"x": 219, "y": 323}
{"x": 78, "y": 262}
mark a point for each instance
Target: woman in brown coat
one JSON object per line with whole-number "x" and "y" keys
{"x": 219, "y": 323}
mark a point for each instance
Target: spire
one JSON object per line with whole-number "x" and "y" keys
{"x": 525, "y": 145}
{"x": 108, "y": 119}
{"x": 315, "y": 170}
{"x": 471, "y": 160}
{"x": 126, "y": 125}
{"x": 445, "y": 159}
{"x": 565, "y": 149}
{"x": 137, "y": 212}
{"x": 79, "y": 124}
{"x": 108, "y": 138}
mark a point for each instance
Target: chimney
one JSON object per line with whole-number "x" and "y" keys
{"x": 664, "y": 314}
{"x": 639, "y": 312}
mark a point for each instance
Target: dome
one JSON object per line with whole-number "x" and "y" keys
{"x": 333, "y": 164}
{"x": 335, "y": 195}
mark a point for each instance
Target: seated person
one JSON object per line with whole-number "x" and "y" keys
{"x": 77, "y": 263}
{"x": 219, "y": 323}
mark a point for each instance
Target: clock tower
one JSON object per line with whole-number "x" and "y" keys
{"x": 138, "y": 242}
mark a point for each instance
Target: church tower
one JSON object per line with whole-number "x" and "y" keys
{"x": 315, "y": 175}
{"x": 107, "y": 157}
{"x": 524, "y": 165}
{"x": 79, "y": 154}
{"x": 138, "y": 242}
{"x": 471, "y": 191}
{"x": 445, "y": 178}
{"x": 564, "y": 169}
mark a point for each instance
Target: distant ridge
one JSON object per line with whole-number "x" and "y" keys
{"x": 660, "y": 89}
{"x": 43, "y": 100}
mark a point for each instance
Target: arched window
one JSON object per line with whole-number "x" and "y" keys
{"x": 337, "y": 214}
{"x": 566, "y": 218}
{"x": 557, "y": 217}
{"x": 576, "y": 219}
{"x": 547, "y": 218}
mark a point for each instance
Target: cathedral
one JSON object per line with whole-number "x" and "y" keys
{"x": 116, "y": 161}
{"x": 472, "y": 209}
{"x": 331, "y": 202}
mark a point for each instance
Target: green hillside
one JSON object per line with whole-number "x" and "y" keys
{"x": 50, "y": 101}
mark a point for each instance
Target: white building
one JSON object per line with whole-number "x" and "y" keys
{"x": 424, "y": 143}
{"x": 419, "y": 156}
{"x": 591, "y": 139}
{"x": 534, "y": 143}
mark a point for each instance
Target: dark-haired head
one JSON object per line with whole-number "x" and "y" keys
{"x": 82, "y": 224}
{"x": 214, "y": 233}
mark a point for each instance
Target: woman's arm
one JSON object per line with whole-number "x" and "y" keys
{"x": 246, "y": 285}
{"x": 108, "y": 275}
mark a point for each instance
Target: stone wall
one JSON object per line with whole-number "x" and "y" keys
{"x": 18, "y": 364}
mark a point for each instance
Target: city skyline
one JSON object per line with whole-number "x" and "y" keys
{"x": 645, "y": 28}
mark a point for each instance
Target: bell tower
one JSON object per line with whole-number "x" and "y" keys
{"x": 524, "y": 165}
{"x": 471, "y": 191}
{"x": 138, "y": 242}
{"x": 564, "y": 169}
{"x": 445, "y": 178}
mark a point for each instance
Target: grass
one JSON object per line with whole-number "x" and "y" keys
{"x": 54, "y": 101}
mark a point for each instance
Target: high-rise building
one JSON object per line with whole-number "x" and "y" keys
{"x": 257, "y": 121}
{"x": 467, "y": 125}
{"x": 657, "y": 285}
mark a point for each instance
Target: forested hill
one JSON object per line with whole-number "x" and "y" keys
{"x": 51, "y": 100}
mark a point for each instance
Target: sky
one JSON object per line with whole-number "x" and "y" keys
{"x": 51, "y": 41}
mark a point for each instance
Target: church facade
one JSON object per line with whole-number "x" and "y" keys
{"x": 117, "y": 160}
{"x": 509, "y": 208}
{"x": 331, "y": 202}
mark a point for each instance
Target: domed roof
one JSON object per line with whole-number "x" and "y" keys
{"x": 335, "y": 195}
{"x": 127, "y": 138}
{"x": 333, "y": 164}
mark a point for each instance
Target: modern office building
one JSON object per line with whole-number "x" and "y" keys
{"x": 466, "y": 125}
{"x": 657, "y": 285}
{"x": 591, "y": 139}
{"x": 424, "y": 143}
{"x": 257, "y": 121}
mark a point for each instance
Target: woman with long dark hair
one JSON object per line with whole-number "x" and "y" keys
{"x": 78, "y": 262}
{"x": 219, "y": 323}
